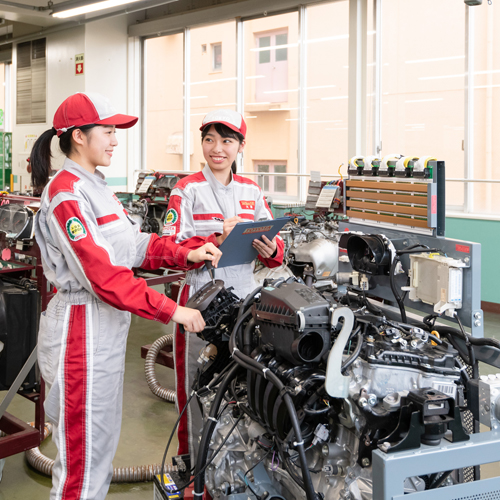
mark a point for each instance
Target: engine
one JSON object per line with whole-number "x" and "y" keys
{"x": 312, "y": 384}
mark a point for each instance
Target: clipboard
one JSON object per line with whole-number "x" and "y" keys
{"x": 237, "y": 248}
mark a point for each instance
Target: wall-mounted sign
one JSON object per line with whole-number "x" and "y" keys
{"x": 79, "y": 64}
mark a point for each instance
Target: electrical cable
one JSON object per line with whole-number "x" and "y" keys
{"x": 249, "y": 363}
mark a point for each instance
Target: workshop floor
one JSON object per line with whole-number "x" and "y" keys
{"x": 147, "y": 422}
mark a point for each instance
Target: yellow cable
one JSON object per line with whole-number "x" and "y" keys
{"x": 340, "y": 173}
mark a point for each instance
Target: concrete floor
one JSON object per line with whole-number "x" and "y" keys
{"x": 147, "y": 423}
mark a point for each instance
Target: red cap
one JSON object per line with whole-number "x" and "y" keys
{"x": 89, "y": 109}
{"x": 228, "y": 117}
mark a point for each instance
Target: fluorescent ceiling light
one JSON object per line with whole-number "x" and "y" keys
{"x": 484, "y": 72}
{"x": 256, "y": 103}
{"x": 247, "y": 117}
{"x": 226, "y": 104}
{"x": 92, "y": 7}
{"x": 254, "y": 77}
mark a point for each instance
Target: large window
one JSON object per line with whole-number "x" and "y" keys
{"x": 163, "y": 111}
{"x": 271, "y": 184}
{"x": 485, "y": 196}
{"x": 271, "y": 97}
{"x": 213, "y": 78}
{"x": 423, "y": 84}
{"x": 416, "y": 92}
{"x": 327, "y": 81}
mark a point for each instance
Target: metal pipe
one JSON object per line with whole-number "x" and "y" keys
{"x": 132, "y": 474}
{"x": 149, "y": 367}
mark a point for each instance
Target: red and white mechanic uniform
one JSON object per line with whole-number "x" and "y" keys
{"x": 198, "y": 206}
{"x": 89, "y": 245}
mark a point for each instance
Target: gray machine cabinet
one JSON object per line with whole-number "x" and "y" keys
{"x": 470, "y": 314}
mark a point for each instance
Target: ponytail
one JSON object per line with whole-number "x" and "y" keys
{"x": 233, "y": 167}
{"x": 41, "y": 153}
{"x": 40, "y": 159}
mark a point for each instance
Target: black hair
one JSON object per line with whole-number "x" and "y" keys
{"x": 226, "y": 132}
{"x": 40, "y": 157}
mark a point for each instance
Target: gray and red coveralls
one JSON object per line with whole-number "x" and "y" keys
{"x": 89, "y": 245}
{"x": 198, "y": 206}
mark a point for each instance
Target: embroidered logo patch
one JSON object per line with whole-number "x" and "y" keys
{"x": 247, "y": 205}
{"x": 171, "y": 216}
{"x": 75, "y": 229}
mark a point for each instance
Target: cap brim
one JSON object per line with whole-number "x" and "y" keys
{"x": 230, "y": 125}
{"x": 119, "y": 121}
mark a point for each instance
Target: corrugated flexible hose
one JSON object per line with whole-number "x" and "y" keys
{"x": 133, "y": 474}
{"x": 163, "y": 393}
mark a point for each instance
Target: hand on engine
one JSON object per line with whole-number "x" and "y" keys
{"x": 191, "y": 319}
{"x": 227, "y": 227}
{"x": 206, "y": 252}
{"x": 265, "y": 248}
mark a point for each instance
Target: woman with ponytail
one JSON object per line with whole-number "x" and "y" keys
{"x": 89, "y": 245}
{"x": 210, "y": 203}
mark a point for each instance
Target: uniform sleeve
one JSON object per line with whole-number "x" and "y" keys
{"x": 179, "y": 224}
{"x": 262, "y": 211}
{"x": 91, "y": 260}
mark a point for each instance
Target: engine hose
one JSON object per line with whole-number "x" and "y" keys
{"x": 247, "y": 301}
{"x": 354, "y": 356}
{"x": 395, "y": 291}
{"x": 249, "y": 363}
{"x": 199, "y": 483}
{"x": 247, "y": 337}
{"x": 149, "y": 367}
{"x": 134, "y": 474}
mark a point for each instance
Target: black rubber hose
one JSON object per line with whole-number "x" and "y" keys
{"x": 247, "y": 337}
{"x": 208, "y": 430}
{"x": 249, "y": 363}
{"x": 350, "y": 360}
{"x": 247, "y": 301}
{"x": 395, "y": 291}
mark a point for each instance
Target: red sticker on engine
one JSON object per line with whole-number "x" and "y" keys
{"x": 462, "y": 248}
{"x": 247, "y": 205}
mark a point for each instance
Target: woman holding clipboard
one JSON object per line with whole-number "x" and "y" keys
{"x": 210, "y": 203}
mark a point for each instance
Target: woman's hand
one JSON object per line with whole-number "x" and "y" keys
{"x": 265, "y": 248}
{"x": 227, "y": 227}
{"x": 206, "y": 252}
{"x": 190, "y": 318}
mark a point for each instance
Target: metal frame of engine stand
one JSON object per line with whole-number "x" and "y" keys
{"x": 392, "y": 469}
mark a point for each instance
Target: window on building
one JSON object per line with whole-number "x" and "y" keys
{"x": 217, "y": 57}
{"x": 31, "y": 82}
{"x": 272, "y": 66}
{"x": 271, "y": 184}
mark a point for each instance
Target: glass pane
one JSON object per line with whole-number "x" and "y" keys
{"x": 164, "y": 68}
{"x": 486, "y": 198}
{"x": 210, "y": 90}
{"x": 264, "y": 55}
{"x": 263, "y": 168}
{"x": 327, "y": 86}
{"x": 217, "y": 57}
{"x": 280, "y": 184}
{"x": 282, "y": 54}
{"x": 280, "y": 169}
{"x": 271, "y": 97}
{"x": 423, "y": 84}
